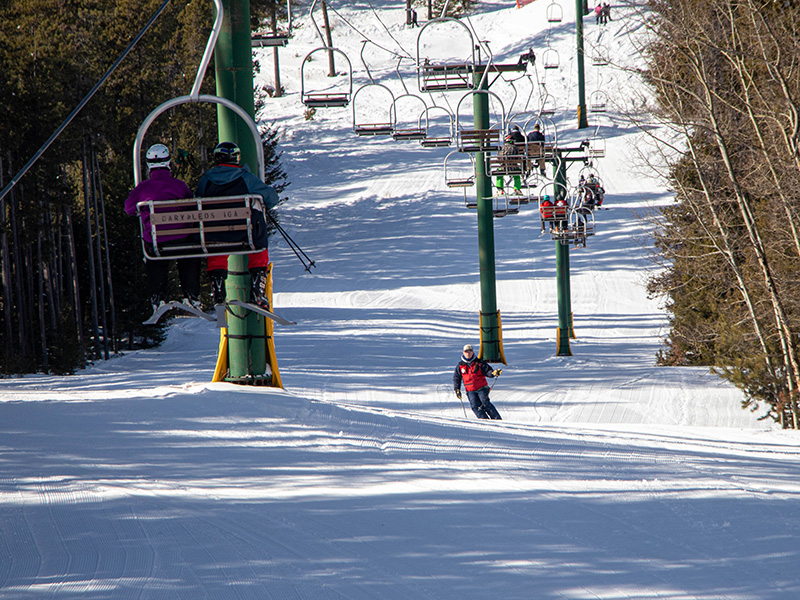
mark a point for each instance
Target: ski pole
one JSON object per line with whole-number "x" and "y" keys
{"x": 491, "y": 387}
{"x": 292, "y": 244}
{"x": 462, "y": 406}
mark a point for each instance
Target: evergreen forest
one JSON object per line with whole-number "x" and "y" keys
{"x": 70, "y": 258}
{"x": 726, "y": 84}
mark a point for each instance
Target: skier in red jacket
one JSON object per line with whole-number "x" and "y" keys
{"x": 474, "y": 371}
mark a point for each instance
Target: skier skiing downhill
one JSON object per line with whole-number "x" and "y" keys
{"x": 474, "y": 371}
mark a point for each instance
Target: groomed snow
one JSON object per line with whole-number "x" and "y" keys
{"x": 608, "y": 479}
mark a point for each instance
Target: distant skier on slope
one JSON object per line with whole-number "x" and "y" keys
{"x": 474, "y": 371}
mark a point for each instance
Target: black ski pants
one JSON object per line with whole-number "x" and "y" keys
{"x": 481, "y": 405}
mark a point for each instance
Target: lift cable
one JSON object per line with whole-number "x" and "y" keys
{"x": 82, "y": 103}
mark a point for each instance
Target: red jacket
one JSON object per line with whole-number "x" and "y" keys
{"x": 473, "y": 374}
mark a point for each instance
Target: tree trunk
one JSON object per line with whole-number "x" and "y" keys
{"x": 329, "y": 40}
{"x": 90, "y": 252}
{"x": 73, "y": 281}
{"x": 5, "y": 273}
{"x": 95, "y": 184}
{"x": 275, "y": 62}
{"x": 42, "y": 324}
{"x": 109, "y": 279}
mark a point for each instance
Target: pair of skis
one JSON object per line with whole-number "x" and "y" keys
{"x": 218, "y": 316}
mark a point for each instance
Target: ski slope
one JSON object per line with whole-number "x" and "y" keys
{"x": 609, "y": 478}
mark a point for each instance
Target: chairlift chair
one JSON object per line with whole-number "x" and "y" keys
{"x": 600, "y": 56}
{"x": 407, "y": 130}
{"x": 500, "y": 206}
{"x": 269, "y": 39}
{"x": 555, "y": 13}
{"x": 458, "y": 177}
{"x": 481, "y": 140}
{"x": 582, "y": 225}
{"x": 550, "y": 58}
{"x": 371, "y": 127}
{"x": 277, "y": 37}
{"x": 435, "y": 75}
{"x": 444, "y": 137}
{"x": 557, "y": 213}
{"x": 598, "y": 101}
{"x": 339, "y": 97}
{"x": 596, "y": 147}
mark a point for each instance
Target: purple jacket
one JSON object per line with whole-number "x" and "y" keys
{"x": 161, "y": 186}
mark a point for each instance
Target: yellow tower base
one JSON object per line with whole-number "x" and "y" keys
{"x": 222, "y": 356}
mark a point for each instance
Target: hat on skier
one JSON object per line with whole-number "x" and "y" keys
{"x": 466, "y": 347}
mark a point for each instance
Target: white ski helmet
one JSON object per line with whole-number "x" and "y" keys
{"x": 158, "y": 157}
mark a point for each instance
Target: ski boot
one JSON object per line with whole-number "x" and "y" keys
{"x": 157, "y": 301}
{"x": 258, "y": 288}
{"x": 218, "y": 292}
{"x": 193, "y": 301}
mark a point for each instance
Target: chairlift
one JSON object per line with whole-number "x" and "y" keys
{"x": 436, "y": 75}
{"x": 481, "y": 140}
{"x": 213, "y": 226}
{"x": 459, "y": 177}
{"x": 372, "y": 127}
{"x": 337, "y": 97}
{"x": 550, "y": 58}
{"x": 596, "y": 147}
{"x": 275, "y": 37}
{"x": 501, "y": 207}
{"x": 598, "y": 101}
{"x": 555, "y": 13}
{"x": 406, "y": 130}
{"x": 443, "y": 137}
{"x": 557, "y": 215}
{"x": 600, "y": 56}
{"x": 548, "y": 106}
{"x": 581, "y": 226}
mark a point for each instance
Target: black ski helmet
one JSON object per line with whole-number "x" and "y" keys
{"x": 227, "y": 152}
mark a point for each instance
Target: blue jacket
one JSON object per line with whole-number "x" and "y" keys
{"x": 232, "y": 180}
{"x": 235, "y": 180}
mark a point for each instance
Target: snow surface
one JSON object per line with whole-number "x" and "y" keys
{"x": 610, "y": 478}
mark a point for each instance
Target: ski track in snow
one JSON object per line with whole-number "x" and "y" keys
{"x": 608, "y": 479}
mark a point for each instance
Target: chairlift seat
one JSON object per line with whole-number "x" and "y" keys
{"x": 317, "y": 100}
{"x": 210, "y": 226}
{"x": 436, "y": 142}
{"x": 459, "y": 183}
{"x": 507, "y": 165}
{"x": 445, "y": 77}
{"x": 550, "y": 58}
{"x": 410, "y": 134}
{"x": 596, "y": 148}
{"x": 479, "y": 140}
{"x": 366, "y": 129}
{"x": 471, "y": 202}
{"x": 517, "y": 199}
{"x": 553, "y": 213}
{"x": 270, "y": 39}
{"x": 554, "y": 12}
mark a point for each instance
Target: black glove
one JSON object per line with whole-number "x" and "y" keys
{"x": 496, "y": 372}
{"x": 458, "y": 394}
